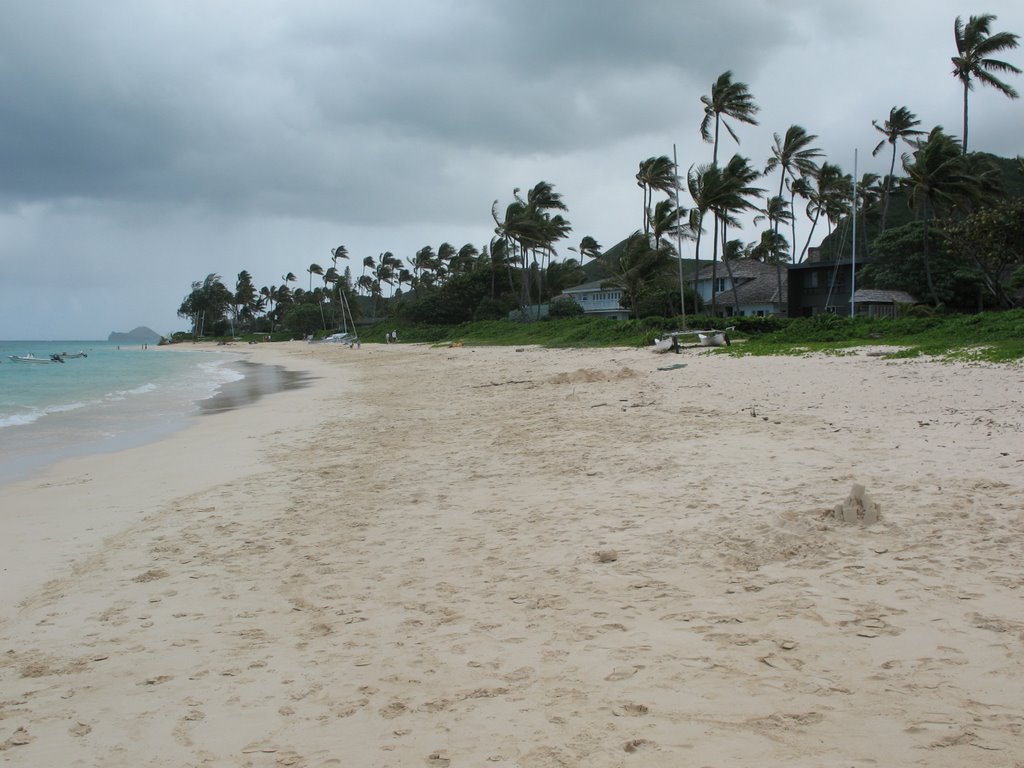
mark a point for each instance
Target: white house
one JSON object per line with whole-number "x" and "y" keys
{"x": 597, "y": 301}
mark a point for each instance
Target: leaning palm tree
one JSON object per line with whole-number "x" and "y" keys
{"x": 656, "y": 173}
{"x": 727, "y": 98}
{"x": 902, "y": 124}
{"x": 975, "y": 45}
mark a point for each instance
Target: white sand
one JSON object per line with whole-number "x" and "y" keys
{"x": 533, "y": 558}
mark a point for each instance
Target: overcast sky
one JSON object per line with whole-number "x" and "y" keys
{"x": 147, "y": 143}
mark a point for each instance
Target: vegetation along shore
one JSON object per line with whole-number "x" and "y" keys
{"x": 941, "y": 233}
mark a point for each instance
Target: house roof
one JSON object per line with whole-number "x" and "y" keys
{"x": 756, "y": 282}
{"x": 593, "y": 285}
{"x": 740, "y": 268}
{"x": 877, "y": 296}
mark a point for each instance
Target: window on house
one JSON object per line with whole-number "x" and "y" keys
{"x": 812, "y": 280}
{"x": 719, "y": 284}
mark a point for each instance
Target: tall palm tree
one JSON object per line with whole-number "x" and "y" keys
{"x": 732, "y": 193}
{"x": 730, "y": 99}
{"x": 792, "y": 154}
{"x": 656, "y": 173}
{"x": 696, "y": 177}
{"x": 939, "y": 180}
{"x": 313, "y": 269}
{"x": 975, "y": 45}
{"x": 901, "y": 125}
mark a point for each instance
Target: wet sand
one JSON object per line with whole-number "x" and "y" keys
{"x": 535, "y": 558}
{"x": 259, "y": 381}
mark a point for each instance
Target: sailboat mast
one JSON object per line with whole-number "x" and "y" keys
{"x": 853, "y": 263}
{"x": 679, "y": 238}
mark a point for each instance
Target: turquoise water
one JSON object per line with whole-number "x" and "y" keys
{"x": 116, "y": 397}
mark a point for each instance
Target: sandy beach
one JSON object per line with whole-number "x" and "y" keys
{"x": 527, "y": 557}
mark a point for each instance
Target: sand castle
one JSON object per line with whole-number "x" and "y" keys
{"x": 858, "y": 507}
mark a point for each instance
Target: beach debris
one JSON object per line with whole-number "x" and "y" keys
{"x": 634, "y": 745}
{"x": 606, "y": 556}
{"x": 858, "y": 507}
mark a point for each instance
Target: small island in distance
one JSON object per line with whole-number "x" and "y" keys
{"x": 140, "y": 335}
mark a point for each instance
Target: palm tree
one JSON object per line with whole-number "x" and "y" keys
{"x": 772, "y": 248}
{"x": 939, "y": 180}
{"x": 530, "y": 225}
{"x": 314, "y": 269}
{"x": 975, "y": 45}
{"x": 696, "y": 177}
{"x": 902, "y": 124}
{"x": 667, "y": 221}
{"x": 341, "y": 252}
{"x": 656, "y": 173}
{"x": 732, "y": 193}
{"x": 445, "y": 254}
{"x": 730, "y": 99}
{"x": 368, "y": 262}
{"x": 791, "y": 154}
{"x": 423, "y": 264}
{"x": 464, "y": 260}
{"x": 825, "y": 185}
{"x": 588, "y": 248}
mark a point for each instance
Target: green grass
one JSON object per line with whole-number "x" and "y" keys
{"x": 987, "y": 337}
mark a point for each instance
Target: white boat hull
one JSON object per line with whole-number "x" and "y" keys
{"x": 30, "y": 359}
{"x": 712, "y": 339}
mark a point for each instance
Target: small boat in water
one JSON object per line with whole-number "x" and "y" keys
{"x": 71, "y": 355}
{"x": 30, "y": 358}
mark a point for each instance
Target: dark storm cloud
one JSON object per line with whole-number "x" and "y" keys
{"x": 121, "y": 101}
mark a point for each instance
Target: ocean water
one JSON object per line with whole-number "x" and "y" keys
{"x": 117, "y": 397}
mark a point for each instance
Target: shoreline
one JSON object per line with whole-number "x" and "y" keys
{"x": 111, "y": 481}
{"x": 137, "y": 423}
{"x": 534, "y": 558}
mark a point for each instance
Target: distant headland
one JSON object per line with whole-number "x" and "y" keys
{"x": 140, "y": 335}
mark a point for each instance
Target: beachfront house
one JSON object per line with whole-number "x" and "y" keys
{"x": 757, "y": 288}
{"x": 817, "y": 287}
{"x": 598, "y": 301}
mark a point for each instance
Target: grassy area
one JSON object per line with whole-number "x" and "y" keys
{"x": 990, "y": 336}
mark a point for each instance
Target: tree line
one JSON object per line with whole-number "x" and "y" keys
{"x": 957, "y": 225}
